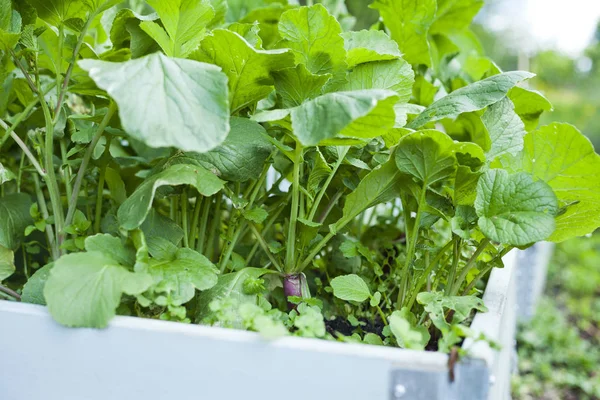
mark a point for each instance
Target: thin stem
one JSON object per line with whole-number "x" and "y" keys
{"x": 50, "y": 178}
{"x": 44, "y": 210}
{"x": 17, "y": 62}
{"x": 215, "y": 225}
{"x": 184, "y": 218}
{"x": 84, "y": 164}
{"x": 206, "y": 204}
{"x": 265, "y": 246}
{"x": 412, "y": 244}
{"x": 21, "y": 117}
{"x": 10, "y": 292}
{"x": 67, "y": 170}
{"x": 426, "y": 273}
{"x": 25, "y": 149}
{"x": 315, "y": 205}
{"x": 463, "y": 274}
{"x": 65, "y": 82}
{"x": 455, "y": 259}
{"x": 382, "y": 315}
{"x": 330, "y": 206}
{"x": 484, "y": 271}
{"x": 265, "y": 229}
{"x": 61, "y": 42}
{"x": 194, "y": 223}
{"x": 291, "y": 246}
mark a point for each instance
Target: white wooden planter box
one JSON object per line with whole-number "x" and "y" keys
{"x": 144, "y": 359}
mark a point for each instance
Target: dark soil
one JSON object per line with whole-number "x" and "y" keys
{"x": 342, "y": 326}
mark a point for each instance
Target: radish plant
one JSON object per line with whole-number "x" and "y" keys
{"x": 263, "y": 166}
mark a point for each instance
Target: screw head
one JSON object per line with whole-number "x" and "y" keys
{"x": 399, "y": 391}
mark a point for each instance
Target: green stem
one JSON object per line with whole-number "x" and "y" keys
{"x": 25, "y": 149}
{"x": 194, "y": 223}
{"x": 382, "y": 315}
{"x": 291, "y": 245}
{"x": 423, "y": 277}
{"x": 17, "y": 62}
{"x": 265, "y": 246}
{"x": 215, "y": 225}
{"x": 65, "y": 82}
{"x": 22, "y": 116}
{"x": 456, "y": 241}
{"x": 44, "y": 210}
{"x": 61, "y": 42}
{"x": 412, "y": 245}
{"x": 206, "y": 205}
{"x": 463, "y": 274}
{"x": 484, "y": 271}
{"x": 101, "y": 180}
{"x": 84, "y": 164}
{"x": 315, "y": 205}
{"x": 67, "y": 168}
{"x": 50, "y": 177}
{"x": 10, "y": 292}
{"x": 184, "y": 218}
{"x": 265, "y": 229}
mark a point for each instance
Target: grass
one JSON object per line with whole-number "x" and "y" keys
{"x": 559, "y": 350}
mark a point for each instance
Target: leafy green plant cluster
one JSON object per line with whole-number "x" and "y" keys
{"x": 260, "y": 165}
{"x": 558, "y": 350}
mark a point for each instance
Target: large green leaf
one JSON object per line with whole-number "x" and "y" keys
{"x": 167, "y": 102}
{"x": 125, "y": 32}
{"x": 408, "y": 333}
{"x": 514, "y": 208}
{"x": 296, "y": 85}
{"x": 396, "y": 75}
{"x": 409, "y": 22}
{"x": 184, "y": 23}
{"x": 473, "y": 97}
{"x": 56, "y": 12}
{"x": 240, "y": 157}
{"x": 378, "y": 186}
{"x": 14, "y": 218}
{"x": 7, "y": 263}
{"x": 350, "y": 288}
{"x": 505, "y": 128}
{"x": 133, "y": 211}
{"x": 367, "y": 46}
{"x": 362, "y": 113}
{"x": 182, "y": 275}
{"x": 229, "y": 286}
{"x": 455, "y": 15}
{"x": 111, "y": 246}
{"x": 33, "y": 290}
{"x": 529, "y": 104}
{"x": 314, "y": 36}
{"x": 427, "y": 156}
{"x": 248, "y": 69}
{"x": 561, "y": 156}
{"x": 84, "y": 289}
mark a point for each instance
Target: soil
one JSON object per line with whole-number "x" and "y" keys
{"x": 342, "y": 326}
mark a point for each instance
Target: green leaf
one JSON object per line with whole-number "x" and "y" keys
{"x": 378, "y": 186}
{"x": 241, "y": 156}
{"x": 427, "y": 156}
{"x": 409, "y": 22}
{"x": 436, "y": 303}
{"x": 33, "y": 290}
{"x": 296, "y": 85}
{"x": 84, "y": 289}
{"x": 125, "y": 32}
{"x": 505, "y": 128}
{"x": 248, "y": 69}
{"x": 314, "y": 37}
{"x": 407, "y": 332}
{"x": 529, "y": 105}
{"x": 256, "y": 215}
{"x": 10, "y": 25}
{"x": 7, "y": 263}
{"x": 473, "y": 97}
{"x": 362, "y": 113}
{"x": 57, "y": 12}
{"x": 181, "y": 276}
{"x": 350, "y": 288}
{"x": 14, "y": 218}
{"x": 367, "y": 46}
{"x": 167, "y": 102}
{"x": 133, "y": 211}
{"x": 162, "y": 234}
{"x": 6, "y": 174}
{"x": 396, "y": 75}
{"x": 229, "y": 286}
{"x": 455, "y": 15}
{"x": 111, "y": 246}
{"x": 514, "y": 208}
{"x": 561, "y": 156}
{"x": 184, "y": 24}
